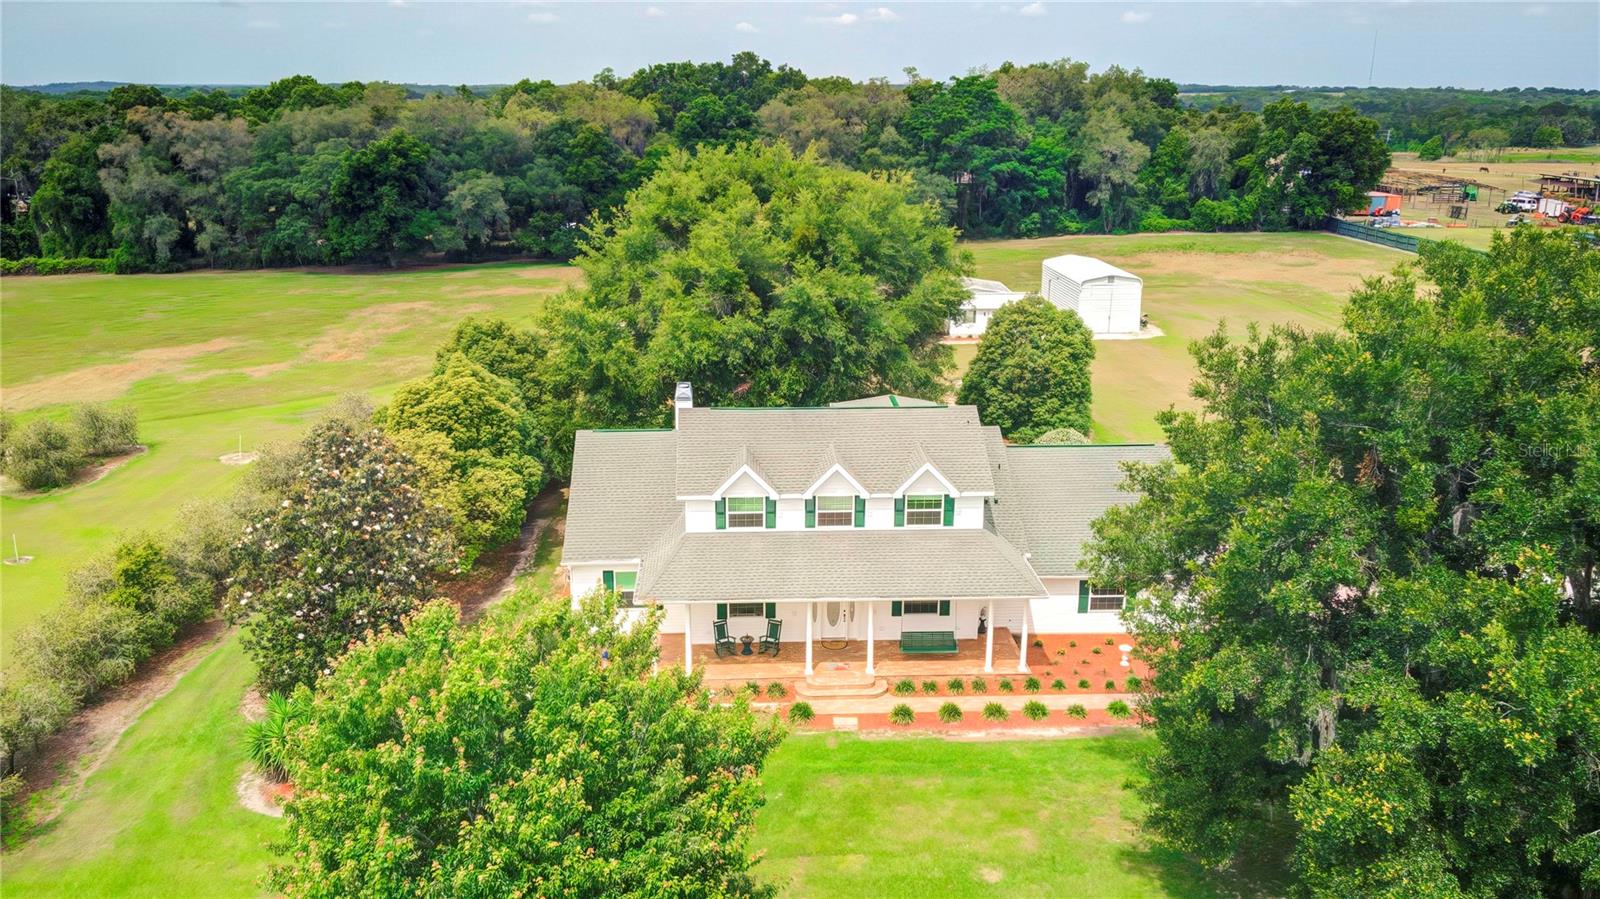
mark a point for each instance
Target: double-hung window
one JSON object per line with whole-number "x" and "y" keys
{"x": 836, "y": 511}
{"x": 924, "y": 510}
{"x": 747, "y": 610}
{"x": 625, "y": 581}
{"x": 1105, "y": 599}
{"x": 747, "y": 512}
{"x": 921, "y": 607}
{"x": 969, "y": 315}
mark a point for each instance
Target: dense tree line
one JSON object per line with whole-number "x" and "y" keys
{"x": 300, "y": 172}
{"x": 1455, "y": 120}
{"x": 1368, "y": 586}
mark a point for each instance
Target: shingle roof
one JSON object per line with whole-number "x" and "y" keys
{"x": 942, "y": 563}
{"x": 1086, "y": 268}
{"x": 792, "y": 448}
{"x": 622, "y": 496}
{"x": 1059, "y": 490}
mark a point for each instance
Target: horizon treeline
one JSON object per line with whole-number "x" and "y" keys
{"x": 305, "y": 173}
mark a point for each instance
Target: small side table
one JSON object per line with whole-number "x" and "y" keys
{"x": 747, "y": 640}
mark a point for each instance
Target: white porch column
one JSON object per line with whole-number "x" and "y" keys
{"x": 1022, "y": 657}
{"x": 872, "y": 631}
{"x": 808, "y": 639}
{"x": 988, "y": 641}
{"x": 688, "y": 640}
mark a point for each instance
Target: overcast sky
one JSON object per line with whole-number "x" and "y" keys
{"x": 1536, "y": 43}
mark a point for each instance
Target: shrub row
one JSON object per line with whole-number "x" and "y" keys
{"x": 45, "y": 453}
{"x": 52, "y": 265}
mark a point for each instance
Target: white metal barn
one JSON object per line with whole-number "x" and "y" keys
{"x": 983, "y": 298}
{"x": 1107, "y": 298}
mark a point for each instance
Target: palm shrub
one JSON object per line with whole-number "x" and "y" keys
{"x": 994, "y": 711}
{"x": 266, "y": 741}
{"x": 1035, "y": 710}
{"x": 800, "y": 713}
{"x": 905, "y": 687}
{"x": 901, "y": 714}
{"x": 1031, "y": 685}
{"x": 1076, "y": 710}
{"x": 956, "y": 685}
{"x": 949, "y": 713}
{"x": 1116, "y": 708}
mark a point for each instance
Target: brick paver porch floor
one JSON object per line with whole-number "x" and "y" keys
{"x": 890, "y": 662}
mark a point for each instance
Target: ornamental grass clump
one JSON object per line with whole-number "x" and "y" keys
{"x": 1006, "y": 685}
{"x": 949, "y": 713}
{"x": 930, "y": 686}
{"x": 1034, "y": 710}
{"x": 1083, "y": 683}
{"x": 956, "y": 685}
{"x": 1076, "y": 710}
{"x": 902, "y": 714}
{"x": 994, "y": 711}
{"x": 979, "y": 685}
{"x": 1031, "y": 685}
{"x": 905, "y": 687}
{"x": 777, "y": 690}
{"x": 1116, "y": 708}
{"x": 1133, "y": 682}
{"x": 1058, "y": 684}
{"x": 800, "y": 713}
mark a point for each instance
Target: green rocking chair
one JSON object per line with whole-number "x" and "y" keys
{"x": 725, "y": 644}
{"x": 769, "y": 642}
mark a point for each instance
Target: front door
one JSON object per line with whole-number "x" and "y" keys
{"x": 833, "y": 620}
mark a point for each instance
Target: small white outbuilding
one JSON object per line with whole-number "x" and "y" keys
{"x": 1108, "y": 299}
{"x": 983, "y": 298}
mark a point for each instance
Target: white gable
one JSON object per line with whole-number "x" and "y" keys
{"x": 745, "y": 483}
{"x": 836, "y": 482}
{"x": 927, "y": 480}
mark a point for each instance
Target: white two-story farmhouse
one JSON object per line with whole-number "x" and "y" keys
{"x": 900, "y": 520}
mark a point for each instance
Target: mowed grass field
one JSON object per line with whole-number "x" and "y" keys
{"x": 207, "y": 359}
{"x": 1192, "y": 282}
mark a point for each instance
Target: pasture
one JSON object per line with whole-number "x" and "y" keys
{"x": 1512, "y": 171}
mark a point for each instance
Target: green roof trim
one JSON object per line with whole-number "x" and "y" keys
{"x": 629, "y": 430}
{"x": 1073, "y": 445}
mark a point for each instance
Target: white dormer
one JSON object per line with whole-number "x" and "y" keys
{"x": 835, "y": 482}
{"x": 926, "y": 481}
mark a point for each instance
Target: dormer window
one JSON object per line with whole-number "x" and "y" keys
{"x": 924, "y": 510}
{"x": 836, "y": 511}
{"x": 747, "y": 511}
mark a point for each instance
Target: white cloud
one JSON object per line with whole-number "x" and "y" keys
{"x": 745, "y": 28}
{"x": 882, "y": 14}
{"x": 846, "y": 18}
{"x": 655, "y": 12}
{"x": 1033, "y": 9}
{"x": 1132, "y": 17}
{"x": 543, "y": 18}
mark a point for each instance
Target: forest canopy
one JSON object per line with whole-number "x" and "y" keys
{"x": 300, "y": 173}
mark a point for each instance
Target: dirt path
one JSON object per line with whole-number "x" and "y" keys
{"x": 495, "y": 575}
{"x": 57, "y": 772}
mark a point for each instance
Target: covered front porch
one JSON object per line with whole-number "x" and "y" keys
{"x": 887, "y": 638}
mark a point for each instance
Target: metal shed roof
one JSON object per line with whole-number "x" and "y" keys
{"x": 1086, "y": 268}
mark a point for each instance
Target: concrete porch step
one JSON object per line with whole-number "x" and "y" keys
{"x": 811, "y": 689}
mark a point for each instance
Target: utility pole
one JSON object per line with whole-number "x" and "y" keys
{"x": 1374, "y": 63}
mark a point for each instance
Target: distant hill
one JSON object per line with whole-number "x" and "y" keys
{"x": 63, "y": 88}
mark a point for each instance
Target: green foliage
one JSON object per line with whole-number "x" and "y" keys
{"x": 800, "y": 713}
{"x": 1546, "y": 136}
{"x": 905, "y": 687}
{"x": 381, "y": 201}
{"x": 930, "y": 686}
{"x": 992, "y": 711}
{"x": 1031, "y": 684}
{"x": 1083, "y": 683}
{"x": 104, "y": 431}
{"x": 482, "y": 472}
{"x": 1058, "y": 684}
{"x": 267, "y": 740}
{"x": 52, "y": 265}
{"x": 1076, "y": 710}
{"x": 979, "y": 685}
{"x": 1367, "y": 586}
{"x": 1060, "y": 437}
{"x": 777, "y": 690}
{"x": 350, "y": 547}
{"x": 956, "y": 685}
{"x": 1116, "y": 708}
{"x": 1431, "y": 149}
{"x": 1006, "y": 686}
{"x": 901, "y": 714}
{"x": 729, "y": 269}
{"x": 1035, "y": 710}
{"x": 949, "y": 713}
{"x": 1031, "y": 373}
{"x": 530, "y": 764}
{"x": 42, "y": 454}
{"x": 1134, "y": 682}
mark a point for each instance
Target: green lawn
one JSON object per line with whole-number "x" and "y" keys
{"x": 923, "y": 817}
{"x": 207, "y": 358}
{"x": 160, "y": 817}
{"x": 1192, "y": 282}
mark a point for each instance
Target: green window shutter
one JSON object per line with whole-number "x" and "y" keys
{"x": 609, "y": 578}
{"x": 899, "y": 511}
{"x": 944, "y": 608}
{"x": 949, "y": 511}
{"x": 772, "y": 610}
{"x": 722, "y": 514}
{"x": 894, "y": 609}
{"x": 722, "y": 611}
{"x": 861, "y": 511}
{"x": 811, "y": 512}
{"x": 772, "y": 513}
{"x": 1083, "y": 596}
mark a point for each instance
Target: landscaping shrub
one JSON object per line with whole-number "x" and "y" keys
{"x": 930, "y": 686}
{"x": 104, "y": 431}
{"x": 42, "y": 454}
{"x": 1058, "y": 684}
{"x": 1038, "y": 644}
{"x": 949, "y": 713}
{"x": 266, "y": 741}
{"x": 1134, "y": 682}
{"x": 1073, "y": 643}
{"x": 1076, "y": 710}
{"x": 1035, "y": 710}
{"x": 905, "y": 687}
{"x": 1031, "y": 685}
{"x": 979, "y": 685}
{"x": 1110, "y": 642}
{"x": 800, "y": 713}
{"x": 901, "y": 714}
{"x": 1006, "y": 685}
{"x": 1111, "y": 685}
{"x": 753, "y": 688}
{"x": 776, "y": 690}
{"x": 1095, "y": 650}
{"x": 1083, "y": 683}
{"x": 50, "y": 265}
{"x": 956, "y": 685}
{"x": 1116, "y": 708}
{"x": 994, "y": 711}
